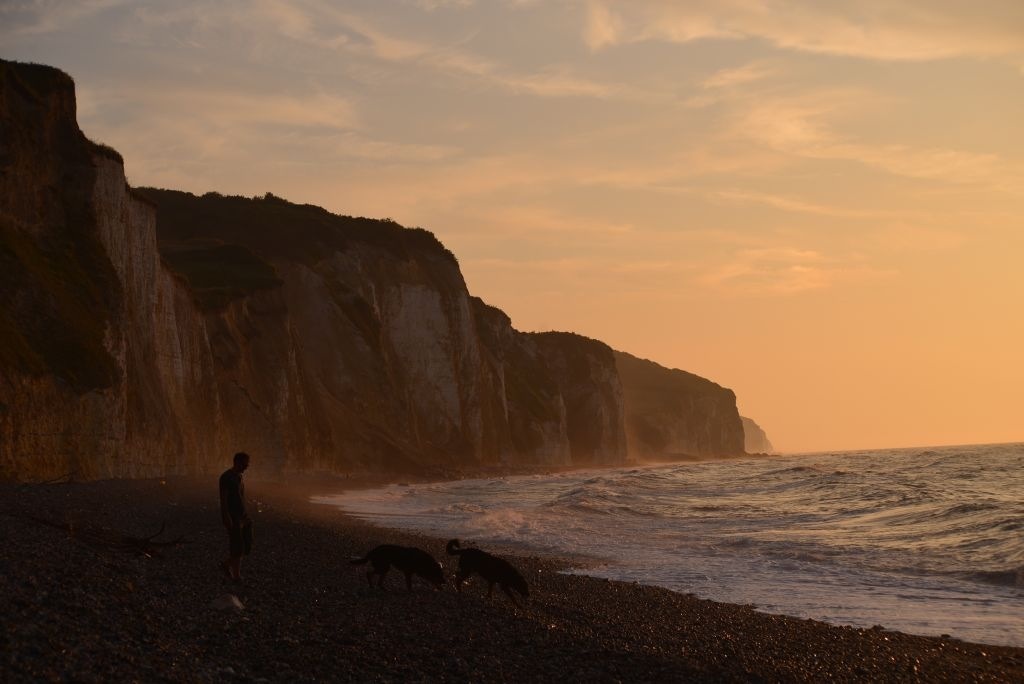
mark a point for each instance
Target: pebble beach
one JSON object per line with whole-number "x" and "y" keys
{"x": 87, "y": 595}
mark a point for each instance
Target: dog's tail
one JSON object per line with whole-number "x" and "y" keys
{"x": 360, "y": 561}
{"x": 453, "y": 548}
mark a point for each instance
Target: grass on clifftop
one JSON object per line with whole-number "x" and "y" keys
{"x": 276, "y": 229}
{"x": 647, "y": 376}
{"x": 226, "y": 246}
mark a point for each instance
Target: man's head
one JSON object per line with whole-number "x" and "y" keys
{"x": 241, "y": 461}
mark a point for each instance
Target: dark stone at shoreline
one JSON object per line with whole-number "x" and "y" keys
{"x": 78, "y": 608}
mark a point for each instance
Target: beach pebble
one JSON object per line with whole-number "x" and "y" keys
{"x": 115, "y": 617}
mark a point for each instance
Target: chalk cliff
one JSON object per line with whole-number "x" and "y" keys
{"x": 674, "y": 414}
{"x": 584, "y": 372}
{"x": 755, "y": 440}
{"x": 104, "y": 364}
{"x": 149, "y": 332}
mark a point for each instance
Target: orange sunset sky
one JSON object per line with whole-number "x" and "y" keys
{"x": 817, "y": 204}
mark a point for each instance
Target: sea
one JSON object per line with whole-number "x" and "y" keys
{"x": 925, "y": 541}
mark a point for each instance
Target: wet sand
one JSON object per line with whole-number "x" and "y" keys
{"x": 80, "y": 602}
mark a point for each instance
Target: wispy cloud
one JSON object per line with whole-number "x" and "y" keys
{"x": 604, "y": 27}
{"x": 801, "y": 206}
{"x": 30, "y": 17}
{"x": 554, "y": 81}
{"x": 317, "y": 25}
{"x": 431, "y": 5}
{"x": 728, "y": 78}
{"x": 235, "y": 108}
{"x": 871, "y": 29}
{"x": 640, "y": 280}
{"x": 802, "y": 126}
{"x": 326, "y": 27}
{"x": 779, "y": 271}
{"x": 914, "y": 238}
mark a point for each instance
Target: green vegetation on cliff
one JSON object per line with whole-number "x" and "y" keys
{"x": 59, "y": 303}
{"x": 218, "y": 273}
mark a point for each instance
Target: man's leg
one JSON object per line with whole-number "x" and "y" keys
{"x": 232, "y": 566}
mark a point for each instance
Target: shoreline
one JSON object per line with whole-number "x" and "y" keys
{"x": 942, "y": 622}
{"x": 82, "y": 608}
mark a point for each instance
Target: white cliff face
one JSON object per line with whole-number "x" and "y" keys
{"x": 552, "y": 447}
{"x": 127, "y": 230}
{"x": 418, "y": 332}
{"x": 184, "y": 365}
{"x": 435, "y": 352}
{"x": 124, "y": 430}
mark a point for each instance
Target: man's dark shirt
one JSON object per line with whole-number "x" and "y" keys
{"x": 232, "y": 493}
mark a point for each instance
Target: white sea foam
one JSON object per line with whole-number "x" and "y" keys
{"x": 923, "y": 541}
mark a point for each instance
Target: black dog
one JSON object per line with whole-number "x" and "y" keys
{"x": 494, "y": 570}
{"x": 407, "y": 559}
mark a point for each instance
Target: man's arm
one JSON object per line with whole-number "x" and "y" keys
{"x": 225, "y": 514}
{"x": 231, "y": 503}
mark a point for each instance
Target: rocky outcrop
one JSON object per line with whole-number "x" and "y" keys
{"x": 154, "y": 332}
{"x": 755, "y": 440}
{"x": 672, "y": 414}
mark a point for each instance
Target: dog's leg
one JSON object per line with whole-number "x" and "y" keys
{"x": 459, "y": 579}
{"x": 510, "y": 595}
{"x": 379, "y": 568}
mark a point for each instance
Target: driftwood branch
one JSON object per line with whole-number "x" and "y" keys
{"x": 105, "y": 539}
{"x": 146, "y": 546}
{"x": 66, "y": 478}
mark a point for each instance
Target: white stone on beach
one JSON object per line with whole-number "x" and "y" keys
{"x": 227, "y": 602}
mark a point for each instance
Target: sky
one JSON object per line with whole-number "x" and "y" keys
{"x": 817, "y": 205}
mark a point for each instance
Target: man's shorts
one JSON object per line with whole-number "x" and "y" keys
{"x": 240, "y": 539}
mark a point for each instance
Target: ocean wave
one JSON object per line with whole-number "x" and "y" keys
{"x": 933, "y": 526}
{"x": 1004, "y": 578}
{"x": 969, "y": 509}
{"x": 793, "y": 470}
{"x": 597, "y": 500}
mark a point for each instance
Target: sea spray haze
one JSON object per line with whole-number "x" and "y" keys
{"x": 925, "y": 541}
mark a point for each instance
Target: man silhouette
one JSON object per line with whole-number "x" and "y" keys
{"x": 234, "y": 517}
